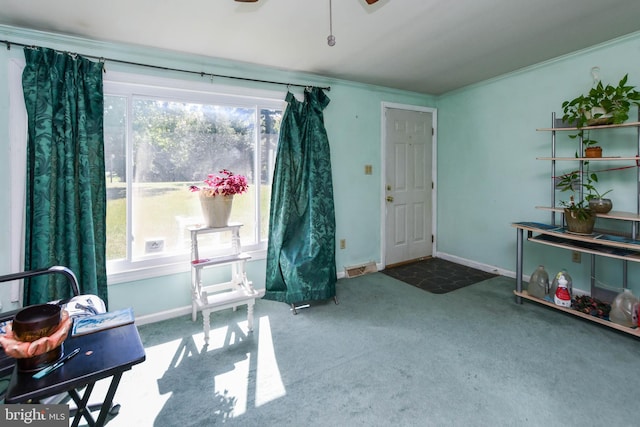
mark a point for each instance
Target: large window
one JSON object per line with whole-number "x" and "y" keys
{"x": 159, "y": 140}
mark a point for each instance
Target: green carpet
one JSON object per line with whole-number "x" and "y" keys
{"x": 387, "y": 354}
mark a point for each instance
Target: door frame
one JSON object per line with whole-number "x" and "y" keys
{"x": 434, "y": 172}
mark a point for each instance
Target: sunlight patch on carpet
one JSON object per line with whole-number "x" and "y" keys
{"x": 269, "y": 385}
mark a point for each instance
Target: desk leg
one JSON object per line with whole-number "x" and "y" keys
{"x": 519, "y": 248}
{"x": 84, "y": 412}
{"x": 108, "y": 400}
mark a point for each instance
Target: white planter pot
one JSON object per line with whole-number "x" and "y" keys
{"x": 604, "y": 117}
{"x": 216, "y": 209}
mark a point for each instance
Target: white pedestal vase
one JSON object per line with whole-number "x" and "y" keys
{"x": 216, "y": 209}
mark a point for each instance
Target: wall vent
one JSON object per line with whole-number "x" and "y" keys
{"x": 359, "y": 270}
{"x": 152, "y": 246}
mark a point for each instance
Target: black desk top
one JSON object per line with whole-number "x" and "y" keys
{"x": 112, "y": 351}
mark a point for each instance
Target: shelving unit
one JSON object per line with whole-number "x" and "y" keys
{"x": 622, "y": 246}
{"x": 630, "y": 331}
{"x": 219, "y": 296}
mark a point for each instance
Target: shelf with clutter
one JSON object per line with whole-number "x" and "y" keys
{"x": 622, "y": 314}
{"x": 623, "y": 244}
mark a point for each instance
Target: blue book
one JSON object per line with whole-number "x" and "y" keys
{"x": 102, "y": 321}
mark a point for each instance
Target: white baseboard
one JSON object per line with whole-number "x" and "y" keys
{"x": 163, "y": 315}
{"x": 496, "y": 270}
{"x": 478, "y": 266}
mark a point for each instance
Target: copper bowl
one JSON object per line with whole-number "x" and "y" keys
{"x": 41, "y": 361}
{"x": 32, "y": 323}
{"x": 36, "y": 321}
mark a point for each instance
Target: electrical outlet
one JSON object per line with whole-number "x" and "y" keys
{"x": 576, "y": 256}
{"x": 343, "y": 243}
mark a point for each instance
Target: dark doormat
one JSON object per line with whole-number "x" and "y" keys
{"x": 437, "y": 275}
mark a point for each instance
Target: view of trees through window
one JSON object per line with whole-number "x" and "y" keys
{"x": 156, "y": 147}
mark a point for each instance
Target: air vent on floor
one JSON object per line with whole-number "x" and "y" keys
{"x": 359, "y": 270}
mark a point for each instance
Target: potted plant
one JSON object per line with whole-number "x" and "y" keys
{"x": 216, "y": 197}
{"x": 597, "y": 202}
{"x": 581, "y": 216}
{"x": 602, "y": 105}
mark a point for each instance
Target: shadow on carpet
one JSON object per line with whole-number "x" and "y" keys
{"x": 437, "y": 275}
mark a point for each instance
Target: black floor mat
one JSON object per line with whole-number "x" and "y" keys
{"x": 437, "y": 275}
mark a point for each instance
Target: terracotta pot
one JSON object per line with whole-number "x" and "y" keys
{"x": 593, "y": 152}
{"x": 216, "y": 210}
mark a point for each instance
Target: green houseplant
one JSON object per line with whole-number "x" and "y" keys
{"x": 602, "y": 105}
{"x": 581, "y": 215}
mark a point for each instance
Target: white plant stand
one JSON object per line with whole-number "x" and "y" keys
{"x": 220, "y": 296}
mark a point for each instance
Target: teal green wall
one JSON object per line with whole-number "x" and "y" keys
{"x": 353, "y": 121}
{"x": 488, "y": 175}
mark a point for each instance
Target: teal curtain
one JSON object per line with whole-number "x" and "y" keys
{"x": 301, "y": 250}
{"x": 65, "y": 188}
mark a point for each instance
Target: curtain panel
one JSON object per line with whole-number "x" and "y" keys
{"x": 65, "y": 188}
{"x": 301, "y": 250}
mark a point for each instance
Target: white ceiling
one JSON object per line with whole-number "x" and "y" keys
{"x": 427, "y": 46}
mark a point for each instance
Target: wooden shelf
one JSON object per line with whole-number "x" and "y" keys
{"x": 590, "y": 159}
{"x": 601, "y": 240}
{"x": 558, "y": 243}
{"x": 631, "y": 331}
{"x": 625, "y": 216}
{"x": 574, "y": 129}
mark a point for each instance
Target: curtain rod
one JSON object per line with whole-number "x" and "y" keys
{"x": 158, "y": 67}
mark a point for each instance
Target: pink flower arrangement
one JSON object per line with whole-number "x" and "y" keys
{"x": 226, "y": 184}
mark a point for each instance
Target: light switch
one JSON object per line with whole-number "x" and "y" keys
{"x": 368, "y": 169}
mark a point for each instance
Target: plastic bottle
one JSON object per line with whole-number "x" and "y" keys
{"x": 539, "y": 283}
{"x": 624, "y": 309}
{"x": 562, "y": 296}
{"x": 554, "y": 285}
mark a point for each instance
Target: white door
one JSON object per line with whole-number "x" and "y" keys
{"x": 408, "y": 186}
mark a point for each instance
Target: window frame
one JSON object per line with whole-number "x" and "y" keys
{"x": 137, "y": 85}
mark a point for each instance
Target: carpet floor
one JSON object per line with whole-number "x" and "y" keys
{"x": 387, "y": 354}
{"x": 437, "y": 276}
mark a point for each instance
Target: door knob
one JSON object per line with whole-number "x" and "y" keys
{"x": 389, "y": 198}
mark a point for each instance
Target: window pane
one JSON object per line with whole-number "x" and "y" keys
{"x": 115, "y": 128}
{"x": 176, "y": 144}
{"x": 161, "y": 139}
{"x": 270, "y": 130}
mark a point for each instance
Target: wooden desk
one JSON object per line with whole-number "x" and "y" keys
{"x": 112, "y": 352}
